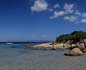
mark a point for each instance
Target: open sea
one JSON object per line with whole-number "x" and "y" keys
{"x": 18, "y": 57}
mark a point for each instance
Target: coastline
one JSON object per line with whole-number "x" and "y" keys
{"x": 49, "y": 45}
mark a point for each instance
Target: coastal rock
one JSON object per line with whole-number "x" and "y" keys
{"x": 48, "y": 45}
{"x": 81, "y": 46}
{"x": 44, "y": 45}
{"x": 74, "y": 52}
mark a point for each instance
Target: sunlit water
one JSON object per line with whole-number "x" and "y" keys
{"x": 16, "y": 57}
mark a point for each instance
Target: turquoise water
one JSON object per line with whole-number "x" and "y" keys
{"x": 17, "y": 57}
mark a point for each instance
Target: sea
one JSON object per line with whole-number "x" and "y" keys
{"x": 17, "y": 56}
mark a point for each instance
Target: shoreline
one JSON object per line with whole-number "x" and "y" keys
{"x": 49, "y": 45}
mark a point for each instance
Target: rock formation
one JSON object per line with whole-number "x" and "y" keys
{"x": 74, "y": 52}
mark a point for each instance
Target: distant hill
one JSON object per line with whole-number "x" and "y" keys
{"x": 76, "y": 36}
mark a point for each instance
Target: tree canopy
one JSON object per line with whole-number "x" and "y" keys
{"x": 76, "y": 36}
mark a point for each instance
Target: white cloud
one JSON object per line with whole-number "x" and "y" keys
{"x": 51, "y": 10}
{"x": 56, "y": 6}
{"x": 68, "y": 12}
{"x": 84, "y": 14}
{"x": 69, "y": 8}
{"x": 83, "y": 20}
{"x": 60, "y": 13}
{"x": 78, "y": 13}
{"x": 67, "y": 18}
{"x": 57, "y": 14}
{"x": 81, "y": 14}
{"x": 39, "y": 5}
{"x": 71, "y": 18}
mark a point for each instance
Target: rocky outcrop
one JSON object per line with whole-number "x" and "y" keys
{"x": 74, "y": 52}
{"x": 49, "y": 45}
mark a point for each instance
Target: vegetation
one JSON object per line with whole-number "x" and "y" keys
{"x": 76, "y": 36}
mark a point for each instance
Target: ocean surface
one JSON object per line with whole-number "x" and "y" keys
{"x": 18, "y": 57}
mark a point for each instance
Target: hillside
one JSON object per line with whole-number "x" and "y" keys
{"x": 76, "y": 36}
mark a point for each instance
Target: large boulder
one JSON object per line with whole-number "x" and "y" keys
{"x": 74, "y": 52}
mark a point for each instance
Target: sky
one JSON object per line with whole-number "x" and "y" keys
{"x": 40, "y": 20}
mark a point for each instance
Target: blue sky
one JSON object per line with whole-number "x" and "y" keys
{"x": 35, "y": 20}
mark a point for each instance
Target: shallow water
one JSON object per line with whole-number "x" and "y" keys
{"x": 14, "y": 58}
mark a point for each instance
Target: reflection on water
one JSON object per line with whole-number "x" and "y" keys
{"x": 15, "y": 57}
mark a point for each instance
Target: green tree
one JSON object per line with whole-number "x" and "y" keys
{"x": 76, "y": 36}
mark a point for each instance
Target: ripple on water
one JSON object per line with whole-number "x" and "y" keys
{"x": 25, "y": 59}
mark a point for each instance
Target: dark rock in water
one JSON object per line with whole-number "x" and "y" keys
{"x": 74, "y": 52}
{"x": 70, "y": 48}
{"x": 52, "y": 49}
{"x": 84, "y": 51}
{"x": 67, "y": 54}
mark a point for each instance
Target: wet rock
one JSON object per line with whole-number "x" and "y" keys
{"x": 84, "y": 50}
{"x": 74, "y": 52}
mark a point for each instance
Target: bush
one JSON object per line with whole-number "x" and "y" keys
{"x": 76, "y": 36}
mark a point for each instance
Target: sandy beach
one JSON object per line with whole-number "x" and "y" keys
{"x": 42, "y": 60}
